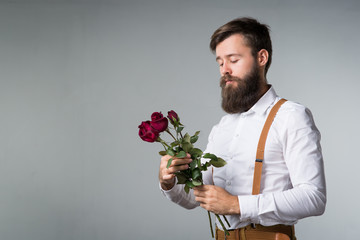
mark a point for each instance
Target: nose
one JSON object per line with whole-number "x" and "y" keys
{"x": 225, "y": 69}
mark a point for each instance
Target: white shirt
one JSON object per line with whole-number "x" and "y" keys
{"x": 293, "y": 181}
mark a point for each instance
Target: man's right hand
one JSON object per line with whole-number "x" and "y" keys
{"x": 167, "y": 175}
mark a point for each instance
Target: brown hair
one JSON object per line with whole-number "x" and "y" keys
{"x": 257, "y": 35}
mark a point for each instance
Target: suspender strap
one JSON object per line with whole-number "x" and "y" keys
{"x": 261, "y": 147}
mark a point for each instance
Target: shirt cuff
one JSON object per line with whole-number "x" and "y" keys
{"x": 173, "y": 193}
{"x": 249, "y": 208}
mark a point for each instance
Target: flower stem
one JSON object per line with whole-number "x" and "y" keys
{"x": 226, "y": 220}
{"x": 163, "y": 146}
{"x": 163, "y": 142}
{"x": 167, "y": 130}
{"x": 211, "y": 228}
{"x": 222, "y": 225}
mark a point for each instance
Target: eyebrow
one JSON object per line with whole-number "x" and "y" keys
{"x": 228, "y": 56}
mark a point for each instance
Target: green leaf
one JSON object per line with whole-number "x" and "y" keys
{"x": 181, "y": 154}
{"x": 169, "y": 163}
{"x": 218, "y": 163}
{"x": 189, "y": 184}
{"x": 181, "y": 178}
{"x": 175, "y": 143}
{"x": 193, "y": 139}
{"x": 205, "y": 166}
{"x": 196, "y": 183}
{"x": 162, "y": 153}
{"x": 186, "y": 138}
{"x": 196, "y": 173}
{"x": 197, "y": 133}
{"x": 195, "y": 152}
{"x": 170, "y": 152}
{"x": 179, "y": 129}
{"x": 192, "y": 165}
{"x": 186, "y": 188}
{"x": 210, "y": 156}
{"x": 199, "y": 162}
{"x": 187, "y": 146}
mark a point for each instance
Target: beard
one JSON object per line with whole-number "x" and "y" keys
{"x": 240, "y": 97}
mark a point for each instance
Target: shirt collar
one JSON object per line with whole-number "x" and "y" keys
{"x": 264, "y": 102}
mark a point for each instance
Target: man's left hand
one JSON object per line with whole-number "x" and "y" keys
{"x": 217, "y": 200}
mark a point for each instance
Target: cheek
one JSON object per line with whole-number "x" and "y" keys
{"x": 242, "y": 69}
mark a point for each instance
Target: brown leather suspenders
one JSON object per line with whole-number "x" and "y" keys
{"x": 261, "y": 147}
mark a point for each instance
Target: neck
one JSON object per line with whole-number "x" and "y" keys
{"x": 263, "y": 89}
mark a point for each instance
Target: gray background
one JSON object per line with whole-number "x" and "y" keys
{"x": 77, "y": 78}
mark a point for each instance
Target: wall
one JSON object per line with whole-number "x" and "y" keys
{"x": 77, "y": 78}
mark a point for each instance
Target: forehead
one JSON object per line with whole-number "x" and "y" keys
{"x": 235, "y": 44}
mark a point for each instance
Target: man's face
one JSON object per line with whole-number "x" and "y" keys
{"x": 240, "y": 75}
{"x": 234, "y": 57}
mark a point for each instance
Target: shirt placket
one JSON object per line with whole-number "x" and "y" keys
{"x": 232, "y": 153}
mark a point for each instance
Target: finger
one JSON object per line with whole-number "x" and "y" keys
{"x": 200, "y": 200}
{"x": 164, "y": 160}
{"x": 168, "y": 176}
{"x": 207, "y": 207}
{"x": 180, "y": 161}
{"x": 199, "y": 194}
{"x": 165, "y": 157}
{"x": 178, "y": 168}
{"x": 201, "y": 188}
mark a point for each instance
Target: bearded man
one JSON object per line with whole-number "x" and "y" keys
{"x": 290, "y": 185}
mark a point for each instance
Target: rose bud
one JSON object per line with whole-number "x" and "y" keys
{"x": 159, "y": 122}
{"x": 147, "y": 133}
{"x": 172, "y": 116}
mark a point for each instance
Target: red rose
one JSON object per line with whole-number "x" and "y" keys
{"x": 147, "y": 133}
{"x": 158, "y": 122}
{"x": 172, "y": 115}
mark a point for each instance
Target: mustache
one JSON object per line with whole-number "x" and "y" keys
{"x": 228, "y": 77}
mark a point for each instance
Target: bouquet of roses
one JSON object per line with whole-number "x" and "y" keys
{"x": 150, "y": 131}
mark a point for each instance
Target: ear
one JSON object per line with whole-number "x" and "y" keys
{"x": 262, "y": 57}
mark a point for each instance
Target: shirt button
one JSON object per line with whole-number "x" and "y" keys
{"x": 228, "y": 183}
